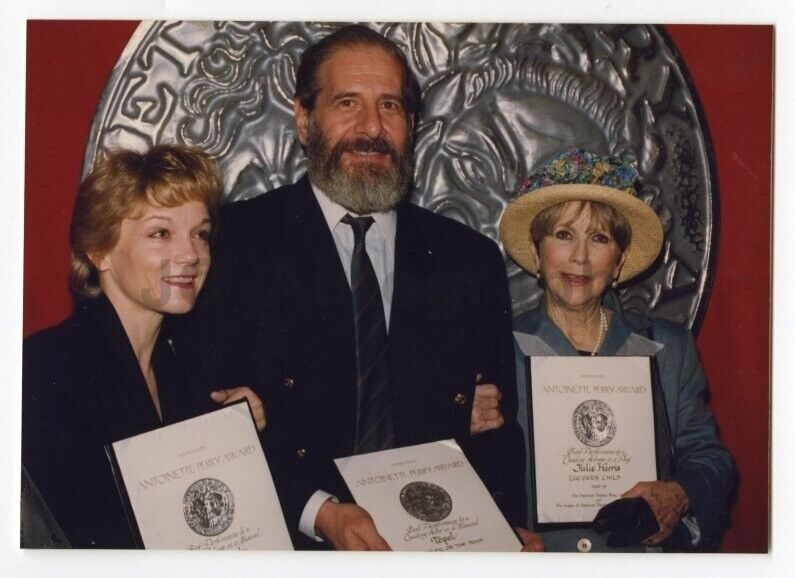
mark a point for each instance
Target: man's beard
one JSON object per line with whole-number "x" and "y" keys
{"x": 362, "y": 188}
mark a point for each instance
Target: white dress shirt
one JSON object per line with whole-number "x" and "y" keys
{"x": 379, "y": 242}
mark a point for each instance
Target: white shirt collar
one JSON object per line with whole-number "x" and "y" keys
{"x": 334, "y": 212}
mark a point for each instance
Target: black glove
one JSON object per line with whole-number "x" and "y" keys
{"x": 629, "y": 520}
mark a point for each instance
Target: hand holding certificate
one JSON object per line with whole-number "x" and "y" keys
{"x": 592, "y": 433}
{"x": 427, "y": 498}
{"x": 202, "y": 484}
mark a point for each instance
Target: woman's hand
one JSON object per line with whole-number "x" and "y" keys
{"x": 227, "y": 396}
{"x": 667, "y": 500}
{"x": 486, "y": 412}
{"x": 531, "y": 542}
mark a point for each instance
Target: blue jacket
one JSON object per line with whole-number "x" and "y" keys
{"x": 703, "y": 466}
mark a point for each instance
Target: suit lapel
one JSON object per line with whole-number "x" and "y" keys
{"x": 536, "y": 334}
{"x": 414, "y": 267}
{"x": 322, "y": 308}
{"x": 309, "y": 238}
{"x": 411, "y": 329}
{"x": 122, "y": 394}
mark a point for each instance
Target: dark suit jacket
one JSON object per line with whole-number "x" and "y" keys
{"x": 282, "y": 322}
{"x": 82, "y": 388}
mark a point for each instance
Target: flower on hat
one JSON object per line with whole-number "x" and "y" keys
{"x": 578, "y": 166}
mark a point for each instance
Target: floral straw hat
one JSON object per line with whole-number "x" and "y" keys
{"x": 579, "y": 175}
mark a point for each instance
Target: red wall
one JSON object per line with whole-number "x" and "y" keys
{"x": 69, "y": 62}
{"x": 732, "y": 69}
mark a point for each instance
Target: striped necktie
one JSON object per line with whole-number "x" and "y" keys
{"x": 375, "y": 429}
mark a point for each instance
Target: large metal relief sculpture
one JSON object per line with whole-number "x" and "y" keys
{"x": 498, "y": 101}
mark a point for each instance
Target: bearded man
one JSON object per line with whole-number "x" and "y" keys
{"x": 363, "y": 321}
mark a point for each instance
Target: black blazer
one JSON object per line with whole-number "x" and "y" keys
{"x": 278, "y": 313}
{"x": 82, "y": 388}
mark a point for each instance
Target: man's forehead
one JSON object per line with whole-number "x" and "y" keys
{"x": 362, "y": 64}
{"x": 361, "y": 50}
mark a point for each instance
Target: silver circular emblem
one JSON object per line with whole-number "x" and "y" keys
{"x": 499, "y": 100}
{"x": 208, "y": 506}
{"x": 594, "y": 423}
{"x": 426, "y": 501}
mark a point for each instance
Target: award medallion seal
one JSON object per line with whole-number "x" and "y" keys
{"x": 594, "y": 423}
{"x": 209, "y": 507}
{"x": 426, "y": 501}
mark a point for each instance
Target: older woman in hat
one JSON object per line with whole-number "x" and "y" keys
{"x": 140, "y": 241}
{"x": 580, "y": 229}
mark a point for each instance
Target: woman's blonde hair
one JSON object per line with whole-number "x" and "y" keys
{"x": 119, "y": 184}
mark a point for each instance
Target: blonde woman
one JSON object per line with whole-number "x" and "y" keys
{"x": 140, "y": 240}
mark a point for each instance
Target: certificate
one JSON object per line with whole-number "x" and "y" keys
{"x": 592, "y": 434}
{"x": 202, "y": 483}
{"x": 428, "y": 498}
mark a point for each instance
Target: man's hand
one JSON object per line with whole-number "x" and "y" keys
{"x": 667, "y": 500}
{"x": 531, "y": 542}
{"x": 226, "y": 396}
{"x": 348, "y": 527}
{"x": 486, "y": 413}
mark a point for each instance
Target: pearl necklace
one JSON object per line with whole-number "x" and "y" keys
{"x": 602, "y": 331}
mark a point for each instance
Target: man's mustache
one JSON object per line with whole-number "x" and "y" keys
{"x": 366, "y": 145}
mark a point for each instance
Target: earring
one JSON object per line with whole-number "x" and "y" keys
{"x": 614, "y": 284}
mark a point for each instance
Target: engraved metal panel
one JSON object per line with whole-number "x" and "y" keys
{"x": 498, "y": 101}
